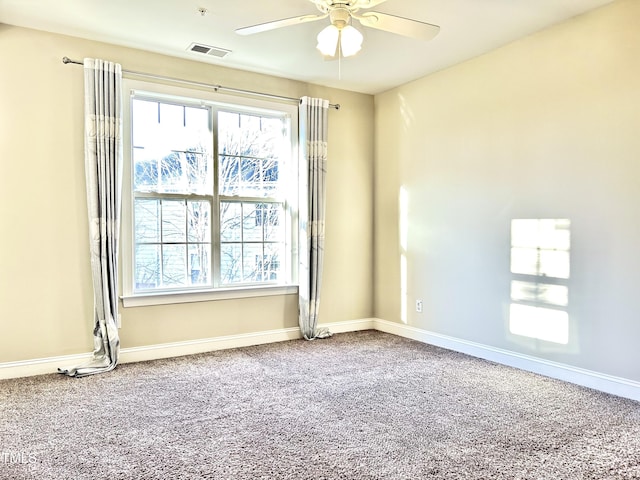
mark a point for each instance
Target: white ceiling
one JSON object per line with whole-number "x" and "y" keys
{"x": 468, "y": 28}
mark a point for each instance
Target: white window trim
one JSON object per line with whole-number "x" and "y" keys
{"x": 167, "y": 297}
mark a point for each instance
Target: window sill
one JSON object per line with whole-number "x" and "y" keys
{"x": 169, "y": 298}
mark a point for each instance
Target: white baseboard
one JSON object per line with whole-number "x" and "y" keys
{"x": 350, "y": 325}
{"x": 621, "y": 387}
{"x": 176, "y": 349}
{"x": 606, "y": 383}
{"x": 40, "y": 366}
{"x": 190, "y": 347}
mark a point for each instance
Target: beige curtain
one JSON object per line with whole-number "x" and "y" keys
{"x": 103, "y": 170}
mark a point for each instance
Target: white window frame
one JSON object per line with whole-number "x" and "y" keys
{"x": 195, "y": 96}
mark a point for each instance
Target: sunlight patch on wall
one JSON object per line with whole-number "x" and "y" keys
{"x": 406, "y": 112}
{"x": 540, "y": 271}
{"x": 403, "y": 288}
{"x": 541, "y": 323}
{"x": 403, "y": 228}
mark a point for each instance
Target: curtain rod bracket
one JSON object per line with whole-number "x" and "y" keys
{"x": 68, "y": 60}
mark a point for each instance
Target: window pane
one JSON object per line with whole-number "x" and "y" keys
{"x": 172, "y": 148}
{"x": 252, "y": 262}
{"x": 171, "y": 116}
{"x": 147, "y": 266}
{"x": 273, "y": 253}
{"x": 272, "y": 218}
{"x": 144, "y": 115}
{"x": 250, "y": 177}
{"x": 271, "y": 126}
{"x": 147, "y": 220}
{"x": 251, "y": 222}
{"x": 270, "y": 176}
{"x": 172, "y": 174}
{"x": 180, "y": 172}
{"x": 229, "y": 176}
{"x": 250, "y": 123}
{"x": 239, "y": 134}
{"x": 230, "y": 222}
{"x": 174, "y": 265}
{"x": 197, "y": 118}
{"x": 174, "y": 220}
{"x": 229, "y": 123}
{"x": 231, "y": 263}
{"x": 260, "y": 227}
{"x": 255, "y": 143}
{"x": 199, "y": 264}
{"x": 199, "y": 176}
{"x": 145, "y": 166}
{"x": 197, "y": 130}
{"x": 185, "y": 129}
{"x": 199, "y": 221}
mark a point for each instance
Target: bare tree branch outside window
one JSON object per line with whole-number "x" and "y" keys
{"x": 173, "y": 168}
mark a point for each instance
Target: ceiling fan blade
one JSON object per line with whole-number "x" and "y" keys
{"x": 285, "y": 22}
{"x": 399, "y": 25}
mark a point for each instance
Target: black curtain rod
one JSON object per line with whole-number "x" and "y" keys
{"x": 206, "y": 85}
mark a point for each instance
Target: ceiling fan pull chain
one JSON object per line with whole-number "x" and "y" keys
{"x": 339, "y": 59}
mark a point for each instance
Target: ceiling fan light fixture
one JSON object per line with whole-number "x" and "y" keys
{"x": 349, "y": 38}
{"x": 328, "y": 40}
{"x": 350, "y": 41}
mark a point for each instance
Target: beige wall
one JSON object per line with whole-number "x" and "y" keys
{"x": 45, "y": 284}
{"x": 546, "y": 127}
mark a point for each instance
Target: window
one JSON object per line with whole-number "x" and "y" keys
{"x": 540, "y": 273}
{"x": 211, "y": 198}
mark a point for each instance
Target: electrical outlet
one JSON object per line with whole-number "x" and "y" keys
{"x": 419, "y": 306}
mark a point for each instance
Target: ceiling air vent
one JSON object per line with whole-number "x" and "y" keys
{"x": 208, "y": 50}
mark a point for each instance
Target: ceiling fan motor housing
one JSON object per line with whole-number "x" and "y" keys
{"x": 340, "y": 17}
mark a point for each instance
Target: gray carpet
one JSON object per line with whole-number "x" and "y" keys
{"x": 364, "y": 405}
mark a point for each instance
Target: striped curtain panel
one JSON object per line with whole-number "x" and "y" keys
{"x": 103, "y": 169}
{"x": 313, "y": 169}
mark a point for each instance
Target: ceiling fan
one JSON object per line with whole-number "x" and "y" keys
{"x": 341, "y": 37}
